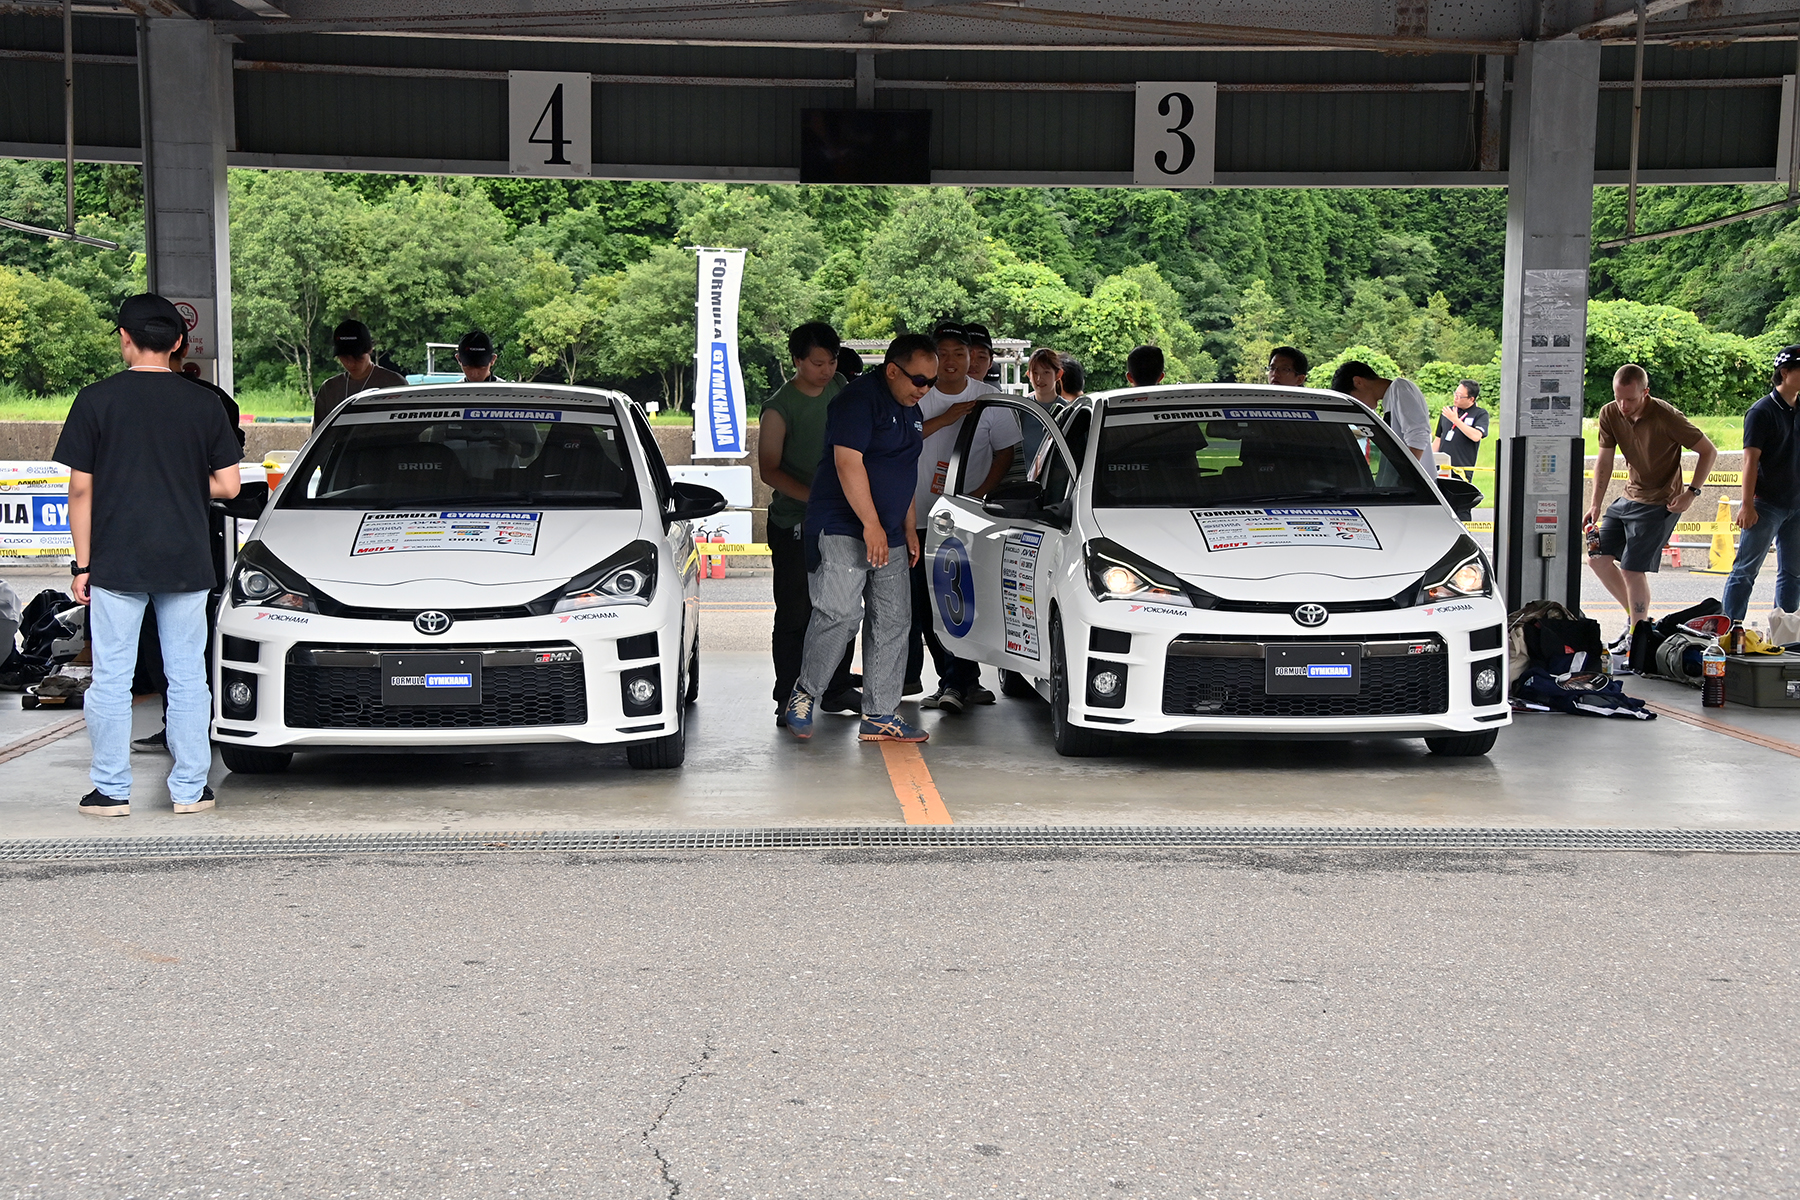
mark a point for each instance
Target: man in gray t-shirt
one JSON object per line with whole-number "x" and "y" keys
{"x": 354, "y": 346}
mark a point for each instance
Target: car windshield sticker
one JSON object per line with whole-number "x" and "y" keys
{"x": 491, "y": 531}
{"x": 1256, "y": 528}
{"x": 1018, "y": 592}
{"x": 535, "y": 415}
{"x": 1159, "y": 416}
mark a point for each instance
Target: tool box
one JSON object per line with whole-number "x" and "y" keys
{"x": 1763, "y": 680}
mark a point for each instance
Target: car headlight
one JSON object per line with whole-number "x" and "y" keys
{"x": 1462, "y": 572}
{"x": 257, "y": 580}
{"x": 628, "y": 577}
{"x": 1115, "y": 573}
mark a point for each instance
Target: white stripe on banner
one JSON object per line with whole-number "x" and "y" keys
{"x": 719, "y": 413}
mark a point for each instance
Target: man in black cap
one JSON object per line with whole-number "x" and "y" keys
{"x": 354, "y": 346}
{"x": 981, "y": 354}
{"x": 146, "y": 450}
{"x": 476, "y": 355}
{"x": 1770, "y": 512}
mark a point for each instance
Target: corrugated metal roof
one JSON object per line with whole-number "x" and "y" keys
{"x": 106, "y": 102}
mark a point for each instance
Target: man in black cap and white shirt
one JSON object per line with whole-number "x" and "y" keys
{"x": 476, "y": 355}
{"x": 146, "y": 451}
{"x": 354, "y": 346}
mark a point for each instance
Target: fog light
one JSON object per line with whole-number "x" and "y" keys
{"x": 239, "y": 695}
{"x": 641, "y": 690}
{"x": 1486, "y": 680}
{"x": 1106, "y": 683}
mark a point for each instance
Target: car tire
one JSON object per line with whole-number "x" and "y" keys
{"x": 1015, "y": 686}
{"x": 693, "y": 675}
{"x": 659, "y": 754}
{"x": 1463, "y": 745}
{"x": 1072, "y": 741}
{"x": 247, "y": 760}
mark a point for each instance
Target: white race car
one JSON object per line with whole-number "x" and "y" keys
{"x": 1226, "y": 561}
{"x": 467, "y": 565}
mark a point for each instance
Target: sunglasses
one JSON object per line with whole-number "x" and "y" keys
{"x": 924, "y": 381}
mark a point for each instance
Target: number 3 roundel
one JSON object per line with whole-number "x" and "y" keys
{"x": 953, "y": 584}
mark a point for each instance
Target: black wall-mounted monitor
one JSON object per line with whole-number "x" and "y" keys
{"x": 851, "y": 145}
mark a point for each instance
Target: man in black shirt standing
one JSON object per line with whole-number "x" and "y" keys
{"x": 1460, "y": 427}
{"x": 1770, "y": 511}
{"x": 146, "y": 450}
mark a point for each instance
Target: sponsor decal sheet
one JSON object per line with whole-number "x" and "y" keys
{"x": 1018, "y": 593}
{"x": 1257, "y": 528}
{"x": 34, "y": 511}
{"x": 485, "y": 530}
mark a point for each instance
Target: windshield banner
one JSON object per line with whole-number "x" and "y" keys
{"x": 718, "y": 379}
{"x": 483, "y": 530}
{"x": 1257, "y": 528}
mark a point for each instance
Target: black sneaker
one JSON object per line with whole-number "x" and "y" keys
{"x": 781, "y": 718}
{"x": 914, "y": 688}
{"x": 976, "y": 694}
{"x": 847, "y": 701}
{"x": 98, "y": 804}
{"x": 200, "y": 803}
{"x": 156, "y": 743}
{"x": 947, "y": 699}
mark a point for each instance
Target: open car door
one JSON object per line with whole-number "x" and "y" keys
{"x": 994, "y": 542}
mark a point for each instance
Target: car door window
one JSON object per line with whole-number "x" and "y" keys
{"x": 659, "y": 471}
{"x": 1036, "y": 458}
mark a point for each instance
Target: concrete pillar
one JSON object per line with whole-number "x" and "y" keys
{"x": 1549, "y": 220}
{"x": 186, "y": 87}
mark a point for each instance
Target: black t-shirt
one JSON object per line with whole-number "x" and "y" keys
{"x": 230, "y": 405}
{"x": 1769, "y": 427}
{"x": 151, "y": 440}
{"x": 1455, "y": 443}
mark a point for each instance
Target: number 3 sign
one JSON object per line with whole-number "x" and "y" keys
{"x": 1174, "y": 143}
{"x": 550, "y": 123}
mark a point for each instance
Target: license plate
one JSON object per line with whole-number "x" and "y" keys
{"x": 1313, "y": 670}
{"x": 431, "y": 678}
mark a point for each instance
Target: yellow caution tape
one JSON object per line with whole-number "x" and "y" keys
{"x": 5, "y": 482}
{"x": 734, "y": 549}
{"x": 37, "y": 552}
{"x": 1479, "y": 526}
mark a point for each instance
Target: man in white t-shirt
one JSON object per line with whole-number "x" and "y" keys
{"x": 1399, "y": 401}
{"x": 991, "y": 451}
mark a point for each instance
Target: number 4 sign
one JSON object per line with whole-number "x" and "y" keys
{"x": 1175, "y": 128}
{"x": 550, "y": 123}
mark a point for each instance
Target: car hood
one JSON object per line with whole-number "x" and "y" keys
{"x": 316, "y": 544}
{"x": 1412, "y": 538}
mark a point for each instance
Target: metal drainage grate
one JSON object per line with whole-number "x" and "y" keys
{"x": 904, "y": 837}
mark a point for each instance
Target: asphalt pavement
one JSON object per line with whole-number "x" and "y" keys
{"x": 944, "y": 1024}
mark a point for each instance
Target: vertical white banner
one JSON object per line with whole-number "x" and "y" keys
{"x": 718, "y": 379}
{"x": 550, "y": 123}
{"x": 1176, "y": 128}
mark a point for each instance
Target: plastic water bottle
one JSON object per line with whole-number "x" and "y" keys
{"x": 1712, "y": 677}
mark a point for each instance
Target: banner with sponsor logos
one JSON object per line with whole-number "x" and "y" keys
{"x": 34, "y": 513}
{"x": 719, "y": 412}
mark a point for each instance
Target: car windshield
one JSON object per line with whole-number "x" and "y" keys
{"x": 470, "y": 457}
{"x": 1207, "y": 456}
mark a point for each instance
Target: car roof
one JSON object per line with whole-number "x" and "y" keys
{"x": 1259, "y": 393}
{"x": 536, "y": 394}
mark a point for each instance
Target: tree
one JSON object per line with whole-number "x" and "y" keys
{"x": 1016, "y": 298}
{"x": 1257, "y": 328}
{"x": 649, "y": 326}
{"x": 925, "y": 259}
{"x": 1407, "y": 261}
{"x": 1115, "y": 320}
{"x": 565, "y": 330}
{"x": 784, "y": 250}
{"x": 51, "y": 339}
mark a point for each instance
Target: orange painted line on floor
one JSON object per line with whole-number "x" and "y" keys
{"x": 920, "y": 803}
{"x": 42, "y": 737}
{"x": 1742, "y": 735}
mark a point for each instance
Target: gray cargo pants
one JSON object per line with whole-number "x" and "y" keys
{"x": 841, "y": 585}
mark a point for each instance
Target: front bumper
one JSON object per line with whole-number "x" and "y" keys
{"x": 1200, "y": 672}
{"x": 315, "y": 680}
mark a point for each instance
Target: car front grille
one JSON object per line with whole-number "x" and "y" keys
{"x": 514, "y": 696}
{"x": 1233, "y": 687}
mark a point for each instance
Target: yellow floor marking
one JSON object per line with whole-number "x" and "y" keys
{"x": 920, "y": 803}
{"x": 1743, "y": 735}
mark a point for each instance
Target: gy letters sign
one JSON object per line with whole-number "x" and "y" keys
{"x": 1174, "y": 134}
{"x": 718, "y": 379}
{"x": 550, "y": 123}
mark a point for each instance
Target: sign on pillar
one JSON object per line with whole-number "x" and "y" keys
{"x": 202, "y": 334}
{"x": 1552, "y": 354}
{"x": 550, "y": 123}
{"x": 1176, "y": 129}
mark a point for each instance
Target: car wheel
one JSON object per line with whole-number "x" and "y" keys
{"x": 246, "y": 760}
{"x": 660, "y": 754}
{"x": 1016, "y": 687}
{"x": 1072, "y": 741}
{"x": 1463, "y": 745}
{"x": 693, "y": 673}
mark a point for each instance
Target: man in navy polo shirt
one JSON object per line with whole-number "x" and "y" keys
{"x": 1770, "y": 511}
{"x": 860, "y": 539}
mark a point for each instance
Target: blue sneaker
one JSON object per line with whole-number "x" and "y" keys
{"x": 889, "y": 729}
{"x": 799, "y": 714}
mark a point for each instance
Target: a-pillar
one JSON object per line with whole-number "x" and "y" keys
{"x": 185, "y": 88}
{"x": 1549, "y": 221}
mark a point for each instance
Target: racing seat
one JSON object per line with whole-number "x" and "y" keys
{"x": 573, "y": 460}
{"x": 402, "y": 471}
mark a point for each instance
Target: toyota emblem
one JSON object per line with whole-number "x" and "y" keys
{"x": 435, "y": 622}
{"x": 1310, "y": 615}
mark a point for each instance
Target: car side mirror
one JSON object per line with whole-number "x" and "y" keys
{"x": 1019, "y": 501}
{"x": 1461, "y": 494}
{"x": 691, "y": 501}
{"x": 248, "y": 504}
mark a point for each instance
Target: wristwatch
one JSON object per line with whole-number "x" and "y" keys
{"x": 77, "y": 569}
{"x": 1694, "y": 488}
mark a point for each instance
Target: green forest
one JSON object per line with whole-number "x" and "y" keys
{"x": 588, "y": 281}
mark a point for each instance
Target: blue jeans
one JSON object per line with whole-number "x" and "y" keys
{"x": 114, "y": 621}
{"x": 1778, "y": 525}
